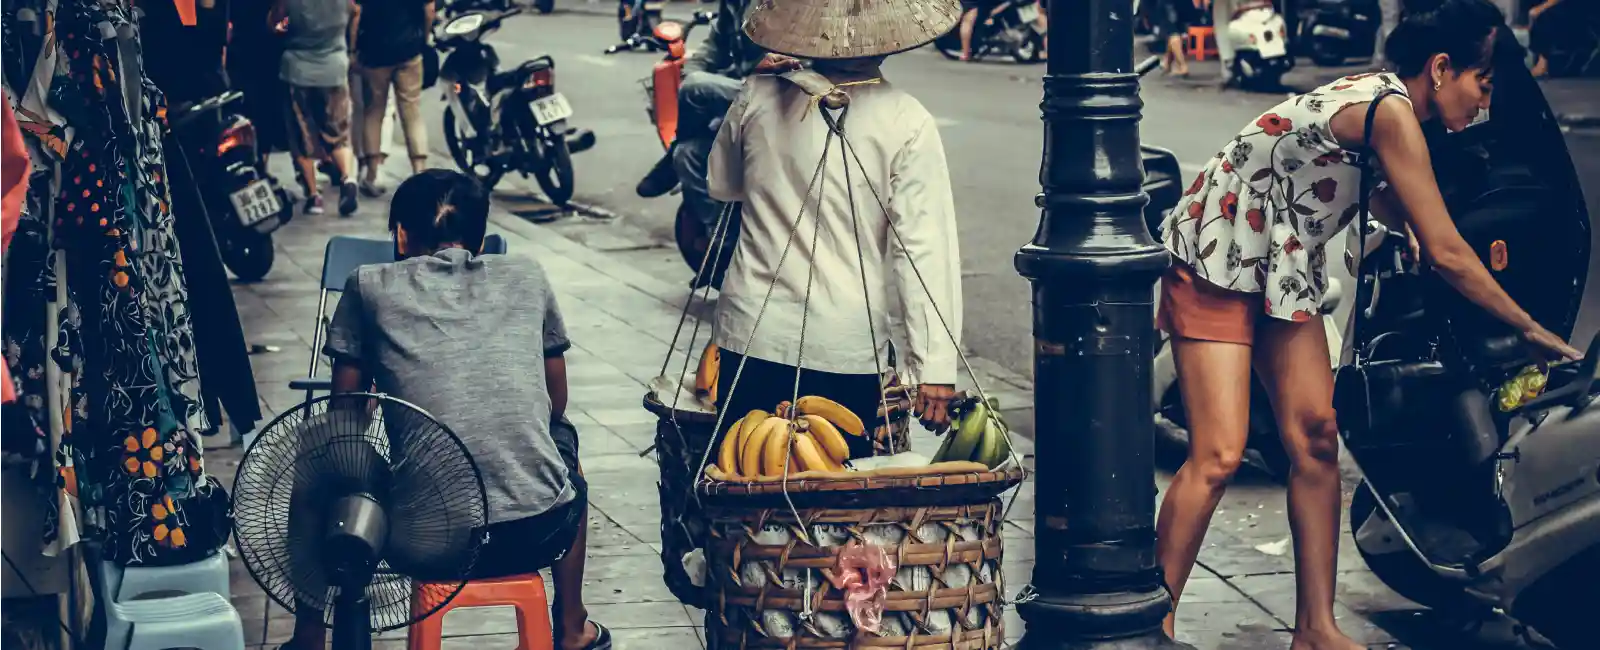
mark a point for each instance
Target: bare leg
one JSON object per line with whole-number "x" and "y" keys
{"x": 570, "y": 614}
{"x": 1292, "y": 359}
{"x": 1180, "y": 59}
{"x": 1215, "y": 380}
{"x": 968, "y": 22}
{"x": 345, "y": 159}
{"x": 308, "y": 174}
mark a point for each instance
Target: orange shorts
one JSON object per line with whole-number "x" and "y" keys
{"x": 1193, "y": 308}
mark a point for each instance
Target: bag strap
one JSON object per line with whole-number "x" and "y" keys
{"x": 1367, "y": 158}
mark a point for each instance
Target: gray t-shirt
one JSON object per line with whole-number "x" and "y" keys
{"x": 314, "y": 53}
{"x": 465, "y": 338}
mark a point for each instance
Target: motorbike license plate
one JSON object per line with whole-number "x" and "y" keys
{"x": 1330, "y": 31}
{"x": 654, "y": 6}
{"x": 1028, "y": 13}
{"x": 255, "y": 203}
{"x": 1272, "y": 49}
{"x": 551, "y": 109}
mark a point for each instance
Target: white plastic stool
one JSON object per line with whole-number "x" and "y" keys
{"x": 123, "y": 584}
{"x": 205, "y": 621}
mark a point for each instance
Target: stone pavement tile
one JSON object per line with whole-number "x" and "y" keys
{"x": 632, "y": 616}
{"x": 616, "y": 579}
{"x": 1276, "y": 594}
{"x": 675, "y": 638}
{"x": 1229, "y": 556}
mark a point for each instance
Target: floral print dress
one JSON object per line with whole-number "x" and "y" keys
{"x": 1259, "y": 216}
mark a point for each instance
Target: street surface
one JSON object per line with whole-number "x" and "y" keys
{"x": 621, "y": 285}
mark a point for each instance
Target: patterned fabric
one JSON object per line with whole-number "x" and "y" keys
{"x": 123, "y": 347}
{"x": 1295, "y": 187}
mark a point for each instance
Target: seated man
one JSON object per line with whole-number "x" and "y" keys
{"x": 476, "y": 341}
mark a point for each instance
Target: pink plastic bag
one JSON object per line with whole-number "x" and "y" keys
{"x": 863, "y": 573}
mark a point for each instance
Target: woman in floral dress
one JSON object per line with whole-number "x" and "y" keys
{"x": 1249, "y": 238}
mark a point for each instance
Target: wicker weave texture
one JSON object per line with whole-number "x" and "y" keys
{"x": 772, "y": 577}
{"x": 847, "y": 29}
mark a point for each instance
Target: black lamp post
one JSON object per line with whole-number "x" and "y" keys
{"x": 1093, "y": 267}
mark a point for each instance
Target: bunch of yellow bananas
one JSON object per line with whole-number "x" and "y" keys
{"x": 807, "y": 437}
{"x": 705, "y": 375}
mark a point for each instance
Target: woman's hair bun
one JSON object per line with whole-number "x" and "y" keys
{"x": 1461, "y": 29}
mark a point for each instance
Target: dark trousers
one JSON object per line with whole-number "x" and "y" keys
{"x": 703, "y": 100}
{"x": 764, "y": 384}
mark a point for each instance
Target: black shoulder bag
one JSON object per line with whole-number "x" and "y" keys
{"x": 1371, "y": 397}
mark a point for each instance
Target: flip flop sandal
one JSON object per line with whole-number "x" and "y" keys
{"x": 602, "y": 638}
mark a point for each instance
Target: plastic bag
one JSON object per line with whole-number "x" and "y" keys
{"x": 863, "y": 573}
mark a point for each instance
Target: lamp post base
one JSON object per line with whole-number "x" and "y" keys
{"x": 1098, "y": 622}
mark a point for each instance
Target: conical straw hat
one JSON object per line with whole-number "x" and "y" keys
{"x": 848, "y": 29}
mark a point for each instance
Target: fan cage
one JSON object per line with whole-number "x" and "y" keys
{"x": 436, "y": 505}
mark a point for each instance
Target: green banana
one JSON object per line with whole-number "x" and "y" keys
{"x": 970, "y": 434}
{"x": 996, "y": 447}
{"x": 944, "y": 448}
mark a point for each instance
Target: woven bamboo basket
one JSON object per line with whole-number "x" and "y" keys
{"x": 683, "y": 524}
{"x": 771, "y": 572}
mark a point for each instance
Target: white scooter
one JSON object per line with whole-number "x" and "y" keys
{"x": 1260, "y": 41}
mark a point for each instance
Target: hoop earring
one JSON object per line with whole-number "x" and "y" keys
{"x": 1437, "y": 85}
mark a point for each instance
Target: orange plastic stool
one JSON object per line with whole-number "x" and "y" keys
{"x": 1201, "y": 43}
{"x": 524, "y": 592}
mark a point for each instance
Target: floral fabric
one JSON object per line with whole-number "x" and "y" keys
{"x": 1259, "y": 216}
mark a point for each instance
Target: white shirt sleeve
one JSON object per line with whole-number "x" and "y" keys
{"x": 923, "y": 240}
{"x": 725, "y": 167}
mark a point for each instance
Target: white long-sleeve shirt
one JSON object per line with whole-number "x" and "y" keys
{"x": 765, "y": 156}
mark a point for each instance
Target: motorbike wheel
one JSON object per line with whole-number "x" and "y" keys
{"x": 555, "y": 179}
{"x": 470, "y": 154}
{"x": 1327, "y": 52}
{"x": 1402, "y": 570}
{"x": 249, "y": 255}
{"x": 1028, "y": 51}
{"x": 545, "y": 6}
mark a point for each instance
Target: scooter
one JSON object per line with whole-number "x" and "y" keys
{"x": 454, "y": 8}
{"x": 499, "y": 121}
{"x": 1260, "y": 44}
{"x": 661, "y": 105}
{"x": 1480, "y": 493}
{"x": 1337, "y": 30}
{"x": 245, "y": 203}
{"x": 1011, "y": 27}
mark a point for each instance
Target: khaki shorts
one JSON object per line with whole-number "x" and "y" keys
{"x": 319, "y": 120}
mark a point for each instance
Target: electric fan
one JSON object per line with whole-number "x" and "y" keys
{"x": 344, "y": 502}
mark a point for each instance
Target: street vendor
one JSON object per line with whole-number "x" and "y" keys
{"x": 822, "y": 295}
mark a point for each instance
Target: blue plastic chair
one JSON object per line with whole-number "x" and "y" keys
{"x": 343, "y": 255}
{"x": 205, "y": 621}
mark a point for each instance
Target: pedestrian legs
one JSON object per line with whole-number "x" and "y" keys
{"x": 1221, "y": 15}
{"x": 375, "y": 103}
{"x": 408, "y": 96}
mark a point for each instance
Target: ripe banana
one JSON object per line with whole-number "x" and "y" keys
{"x": 809, "y": 455}
{"x": 705, "y": 377}
{"x": 750, "y": 453}
{"x": 828, "y": 437}
{"x": 741, "y": 431}
{"x": 832, "y": 411}
{"x": 969, "y": 435}
{"x": 728, "y": 452}
{"x": 775, "y": 459}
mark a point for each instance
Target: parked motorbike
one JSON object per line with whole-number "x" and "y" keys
{"x": 638, "y": 18}
{"x": 1012, "y": 27}
{"x": 454, "y": 8}
{"x": 245, "y": 203}
{"x": 1479, "y": 495}
{"x": 513, "y": 120}
{"x": 1337, "y": 30}
{"x": 1260, "y": 44}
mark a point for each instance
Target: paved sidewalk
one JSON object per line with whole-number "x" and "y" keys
{"x": 621, "y": 322}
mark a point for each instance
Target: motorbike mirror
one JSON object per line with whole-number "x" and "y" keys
{"x": 1147, "y": 65}
{"x": 463, "y": 25}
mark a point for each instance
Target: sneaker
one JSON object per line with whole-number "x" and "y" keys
{"x": 347, "y": 199}
{"x": 314, "y": 204}
{"x": 660, "y": 179}
{"x": 372, "y": 189}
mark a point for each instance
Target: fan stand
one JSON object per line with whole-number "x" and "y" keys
{"x": 357, "y": 531}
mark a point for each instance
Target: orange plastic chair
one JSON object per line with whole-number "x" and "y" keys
{"x": 524, "y": 592}
{"x": 1201, "y": 43}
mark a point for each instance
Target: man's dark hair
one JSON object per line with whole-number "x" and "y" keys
{"x": 1462, "y": 29}
{"x": 440, "y": 207}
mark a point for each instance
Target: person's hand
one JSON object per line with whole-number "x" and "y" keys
{"x": 1549, "y": 345}
{"x": 933, "y": 406}
{"x": 1534, "y": 13}
{"x": 775, "y": 63}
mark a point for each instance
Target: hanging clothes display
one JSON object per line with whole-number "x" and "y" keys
{"x": 129, "y": 445}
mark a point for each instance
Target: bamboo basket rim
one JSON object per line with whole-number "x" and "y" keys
{"x": 653, "y": 404}
{"x": 995, "y": 481}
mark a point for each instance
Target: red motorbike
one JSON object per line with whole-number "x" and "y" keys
{"x": 661, "y": 104}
